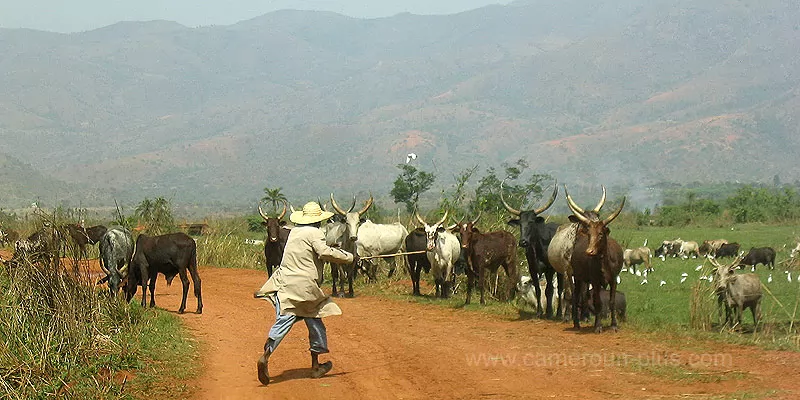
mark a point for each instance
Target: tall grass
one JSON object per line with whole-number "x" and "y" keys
{"x": 225, "y": 247}
{"x": 61, "y": 336}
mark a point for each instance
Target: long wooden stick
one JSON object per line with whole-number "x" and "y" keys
{"x": 393, "y": 255}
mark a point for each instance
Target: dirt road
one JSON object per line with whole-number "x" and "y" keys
{"x": 387, "y": 349}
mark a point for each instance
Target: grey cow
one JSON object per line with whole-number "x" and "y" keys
{"x": 116, "y": 250}
{"x": 738, "y": 291}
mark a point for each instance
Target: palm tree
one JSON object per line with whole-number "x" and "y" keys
{"x": 273, "y": 196}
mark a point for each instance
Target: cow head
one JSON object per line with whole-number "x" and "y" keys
{"x": 529, "y": 222}
{"x": 352, "y": 219}
{"x": 589, "y": 223}
{"x": 431, "y": 231}
{"x": 467, "y": 230}
{"x": 273, "y": 224}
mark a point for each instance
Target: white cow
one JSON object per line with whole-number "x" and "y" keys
{"x": 380, "y": 239}
{"x": 443, "y": 249}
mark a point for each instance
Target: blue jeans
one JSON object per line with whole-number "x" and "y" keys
{"x": 317, "y": 335}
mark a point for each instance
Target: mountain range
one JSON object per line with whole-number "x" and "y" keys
{"x": 619, "y": 92}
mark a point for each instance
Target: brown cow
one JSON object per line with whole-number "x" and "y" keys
{"x": 488, "y": 251}
{"x": 82, "y": 236}
{"x": 596, "y": 260}
{"x": 275, "y": 240}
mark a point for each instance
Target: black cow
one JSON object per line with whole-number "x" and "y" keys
{"x": 276, "y": 238}
{"x": 727, "y": 250}
{"x": 759, "y": 255}
{"x": 417, "y": 241}
{"x": 488, "y": 251}
{"x": 171, "y": 254}
{"x": 534, "y": 237}
{"x": 596, "y": 260}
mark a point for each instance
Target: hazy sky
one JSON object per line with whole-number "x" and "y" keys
{"x": 80, "y": 15}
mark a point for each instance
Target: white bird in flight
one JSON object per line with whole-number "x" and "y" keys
{"x": 410, "y": 156}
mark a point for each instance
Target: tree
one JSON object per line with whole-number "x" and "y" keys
{"x": 156, "y": 216}
{"x": 273, "y": 196}
{"x": 410, "y": 184}
{"x": 487, "y": 194}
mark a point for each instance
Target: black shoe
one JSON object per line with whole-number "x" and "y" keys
{"x": 321, "y": 370}
{"x": 263, "y": 371}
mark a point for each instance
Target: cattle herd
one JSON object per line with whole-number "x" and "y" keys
{"x": 580, "y": 258}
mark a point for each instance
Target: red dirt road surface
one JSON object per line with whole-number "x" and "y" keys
{"x": 390, "y": 349}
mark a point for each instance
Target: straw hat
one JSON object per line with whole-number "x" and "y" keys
{"x": 310, "y": 214}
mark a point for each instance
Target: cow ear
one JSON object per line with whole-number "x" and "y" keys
{"x": 513, "y": 222}
{"x": 362, "y": 220}
{"x": 440, "y": 229}
{"x": 539, "y": 220}
{"x": 282, "y": 223}
{"x": 263, "y": 223}
{"x": 573, "y": 218}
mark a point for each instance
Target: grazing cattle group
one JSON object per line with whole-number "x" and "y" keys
{"x": 579, "y": 258}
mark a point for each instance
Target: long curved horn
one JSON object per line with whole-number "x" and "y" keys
{"x": 602, "y": 201}
{"x": 576, "y": 210}
{"x": 421, "y": 221}
{"x": 549, "y": 203}
{"x": 284, "y": 210}
{"x": 123, "y": 272}
{"x": 615, "y": 214}
{"x": 352, "y": 206}
{"x": 444, "y": 218}
{"x": 456, "y": 224}
{"x": 475, "y": 221}
{"x": 260, "y": 211}
{"x": 508, "y": 207}
{"x": 367, "y": 205}
{"x": 572, "y": 205}
{"x": 336, "y": 206}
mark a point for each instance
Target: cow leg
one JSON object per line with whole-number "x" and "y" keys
{"x": 198, "y": 292}
{"x": 153, "y": 280}
{"x": 576, "y": 298}
{"x": 350, "y": 277}
{"x": 143, "y": 282}
{"x": 413, "y": 271}
{"x": 548, "y": 293}
{"x": 470, "y": 283}
{"x": 598, "y": 307}
{"x": 560, "y": 282}
{"x": 185, "y": 283}
{"x": 612, "y": 299}
{"x": 334, "y": 279}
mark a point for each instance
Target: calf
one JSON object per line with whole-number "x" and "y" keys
{"x": 488, "y": 251}
{"x": 739, "y": 291}
{"x": 689, "y": 249}
{"x": 620, "y": 305}
{"x": 759, "y": 255}
{"x": 633, "y": 257}
{"x": 727, "y": 250}
{"x": 171, "y": 254}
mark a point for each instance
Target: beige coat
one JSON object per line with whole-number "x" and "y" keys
{"x": 296, "y": 282}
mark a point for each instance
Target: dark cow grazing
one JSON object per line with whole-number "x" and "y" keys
{"x": 352, "y": 220}
{"x": 276, "y": 238}
{"x": 116, "y": 250}
{"x": 82, "y": 236}
{"x": 488, "y": 251}
{"x": 534, "y": 237}
{"x": 669, "y": 248}
{"x": 710, "y": 247}
{"x": 171, "y": 254}
{"x": 596, "y": 260}
{"x": 605, "y": 297}
{"x": 759, "y": 255}
{"x": 417, "y": 241}
{"x": 727, "y": 250}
